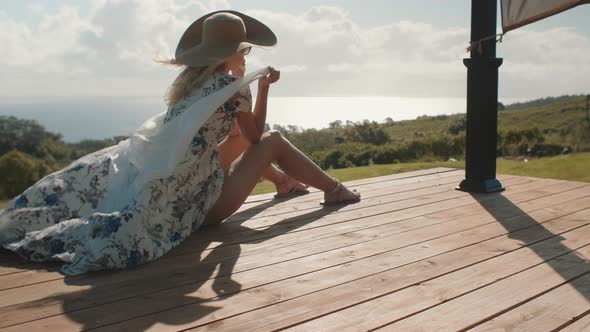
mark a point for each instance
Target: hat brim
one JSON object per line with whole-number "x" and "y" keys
{"x": 257, "y": 34}
{"x": 202, "y": 55}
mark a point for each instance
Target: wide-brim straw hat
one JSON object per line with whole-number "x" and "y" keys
{"x": 218, "y": 35}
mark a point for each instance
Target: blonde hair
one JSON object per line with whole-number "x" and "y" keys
{"x": 189, "y": 79}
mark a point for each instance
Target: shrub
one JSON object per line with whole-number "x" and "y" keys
{"x": 386, "y": 155}
{"x": 367, "y": 132}
{"x": 547, "y": 150}
{"x": 19, "y": 171}
{"x": 458, "y": 125}
{"x": 345, "y": 155}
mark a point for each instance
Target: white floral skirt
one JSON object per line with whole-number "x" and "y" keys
{"x": 56, "y": 218}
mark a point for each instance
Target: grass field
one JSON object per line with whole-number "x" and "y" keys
{"x": 558, "y": 121}
{"x": 575, "y": 167}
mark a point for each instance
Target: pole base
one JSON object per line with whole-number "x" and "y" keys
{"x": 481, "y": 186}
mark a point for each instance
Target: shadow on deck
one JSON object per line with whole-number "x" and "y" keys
{"x": 414, "y": 254}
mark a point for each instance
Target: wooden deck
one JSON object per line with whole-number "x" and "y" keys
{"x": 414, "y": 255}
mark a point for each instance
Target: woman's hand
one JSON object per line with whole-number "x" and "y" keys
{"x": 239, "y": 71}
{"x": 269, "y": 79}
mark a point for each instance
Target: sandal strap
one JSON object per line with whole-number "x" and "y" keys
{"x": 282, "y": 186}
{"x": 337, "y": 189}
{"x": 287, "y": 178}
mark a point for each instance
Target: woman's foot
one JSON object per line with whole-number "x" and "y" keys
{"x": 341, "y": 195}
{"x": 290, "y": 187}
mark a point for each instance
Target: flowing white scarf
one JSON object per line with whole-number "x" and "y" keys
{"x": 155, "y": 149}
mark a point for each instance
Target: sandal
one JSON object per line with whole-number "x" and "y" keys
{"x": 289, "y": 188}
{"x": 337, "y": 193}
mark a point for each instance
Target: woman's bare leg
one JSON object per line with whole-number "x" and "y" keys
{"x": 247, "y": 169}
{"x": 231, "y": 148}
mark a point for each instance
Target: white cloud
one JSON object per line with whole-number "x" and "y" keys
{"x": 35, "y": 7}
{"x": 344, "y": 58}
{"x": 540, "y": 63}
{"x": 110, "y": 49}
{"x": 293, "y": 68}
{"x": 343, "y": 67}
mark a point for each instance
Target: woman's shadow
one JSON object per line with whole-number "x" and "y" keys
{"x": 168, "y": 282}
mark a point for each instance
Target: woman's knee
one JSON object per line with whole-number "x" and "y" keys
{"x": 272, "y": 136}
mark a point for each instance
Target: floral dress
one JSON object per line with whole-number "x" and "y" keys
{"x": 57, "y": 218}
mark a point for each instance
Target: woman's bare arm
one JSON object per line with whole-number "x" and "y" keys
{"x": 252, "y": 124}
{"x": 259, "y": 112}
{"x": 248, "y": 127}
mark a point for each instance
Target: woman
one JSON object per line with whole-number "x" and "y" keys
{"x": 85, "y": 215}
{"x": 235, "y": 144}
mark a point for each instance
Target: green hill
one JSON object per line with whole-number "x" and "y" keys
{"x": 557, "y": 118}
{"x": 572, "y": 167}
{"x": 543, "y": 127}
{"x": 539, "y": 128}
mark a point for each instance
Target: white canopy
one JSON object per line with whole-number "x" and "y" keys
{"x": 516, "y": 13}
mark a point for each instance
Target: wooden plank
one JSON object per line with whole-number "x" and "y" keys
{"x": 224, "y": 253}
{"x": 382, "y": 191}
{"x": 438, "y": 209}
{"x": 371, "y": 180}
{"x": 363, "y": 187}
{"x": 485, "y": 302}
{"x": 404, "y": 291}
{"x": 271, "y": 294}
{"x": 291, "y": 224}
{"x": 409, "y": 185}
{"x": 375, "y": 195}
{"x": 292, "y": 229}
{"x": 581, "y": 324}
{"x": 374, "y": 190}
{"x": 384, "y": 229}
{"x": 361, "y": 234}
{"x": 396, "y": 305}
{"x": 113, "y": 290}
{"x": 311, "y": 201}
{"x": 546, "y": 313}
{"x": 297, "y": 227}
{"x": 278, "y": 291}
{"x": 188, "y": 244}
{"x": 278, "y": 254}
{"x": 17, "y": 265}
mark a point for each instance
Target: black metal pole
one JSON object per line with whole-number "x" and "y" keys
{"x": 482, "y": 102}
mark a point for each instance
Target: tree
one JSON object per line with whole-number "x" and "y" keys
{"x": 458, "y": 125}
{"x": 19, "y": 171}
{"x": 513, "y": 137}
{"x": 333, "y": 159}
{"x": 30, "y": 137}
{"x": 533, "y": 135}
{"x": 280, "y": 129}
{"x": 367, "y": 132}
{"x": 336, "y": 124}
{"x": 389, "y": 121}
{"x": 292, "y": 129}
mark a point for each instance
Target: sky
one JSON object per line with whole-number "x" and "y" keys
{"x": 396, "y": 48}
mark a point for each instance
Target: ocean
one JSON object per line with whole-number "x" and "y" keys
{"x": 97, "y": 118}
